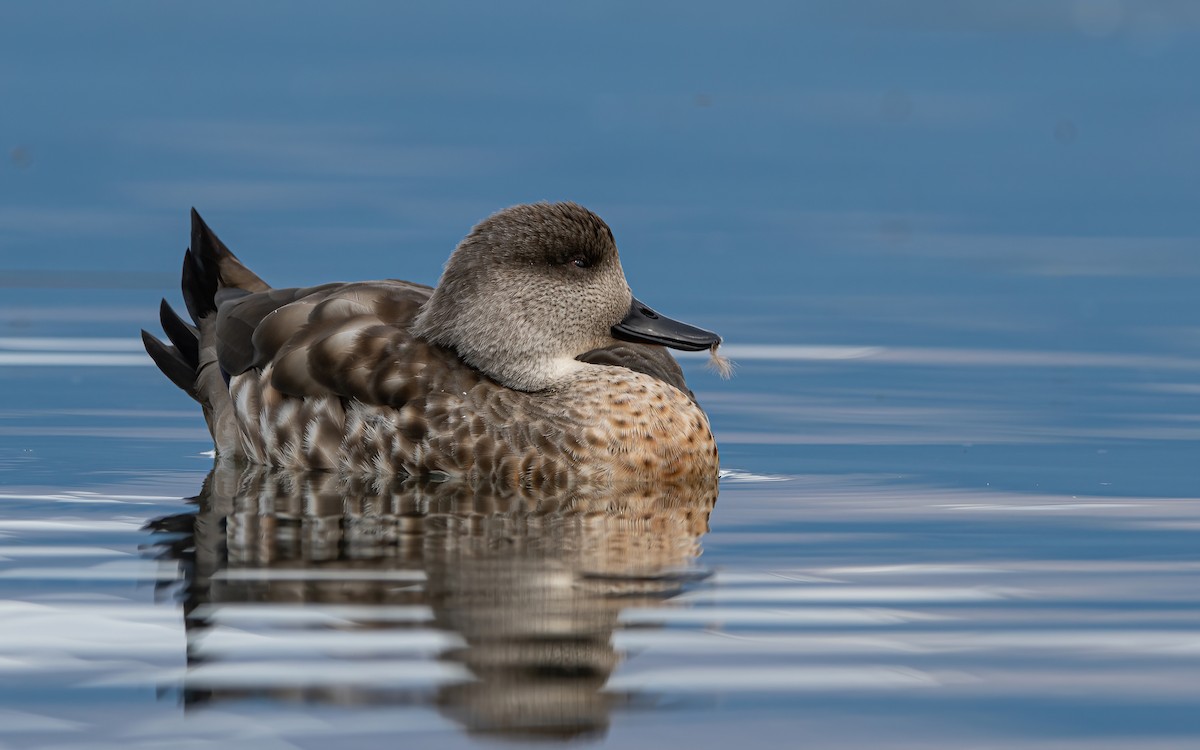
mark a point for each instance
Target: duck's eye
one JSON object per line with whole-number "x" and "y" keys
{"x": 581, "y": 262}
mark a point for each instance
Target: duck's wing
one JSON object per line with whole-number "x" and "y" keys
{"x": 240, "y": 316}
{"x": 343, "y": 340}
{"x": 648, "y": 359}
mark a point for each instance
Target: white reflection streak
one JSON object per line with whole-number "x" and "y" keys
{"x": 59, "y": 359}
{"x": 136, "y": 433}
{"x": 309, "y": 614}
{"x": 779, "y": 644}
{"x": 953, "y": 357}
{"x": 120, "y": 570}
{"x": 709, "y": 616}
{"x": 1064, "y": 642}
{"x": 85, "y": 526}
{"x": 28, "y": 551}
{"x": 1073, "y": 507}
{"x": 36, "y": 351}
{"x": 83, "y": 496}
{"x": 763, "y": 679}
{"x": 36, "y": 637}
{"x": 737, "y": 475}
{"x": 1038, "y": 566}
{"x": 64, "y": 344}
{"x": 725, "y": 578}
{"x": 846, "y": 594}
{"x": 919, "y": 569}
{"x": 229, "y": 642}
{"x": 377, "y": 672}
{"x": 798, "y": 352}
{"x": 312, "y": 574}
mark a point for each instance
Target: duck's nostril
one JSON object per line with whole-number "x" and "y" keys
{"x": 649, "y": 313}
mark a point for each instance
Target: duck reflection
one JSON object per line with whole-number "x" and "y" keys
{"x": 524, "y": 592}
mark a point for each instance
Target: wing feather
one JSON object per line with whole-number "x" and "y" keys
{"x": 334, "y": 340}
{"x": 647, "y": 359}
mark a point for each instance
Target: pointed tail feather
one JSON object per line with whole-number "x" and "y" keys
{"x": 183, "y": 335}
{"x": 199, "y": 288}
{"x": 209, "y": 266}
{"x": 172, "y": 363}
{"x": 180, "y": 361}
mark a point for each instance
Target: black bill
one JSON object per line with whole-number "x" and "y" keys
{"x": 644, "y": 326}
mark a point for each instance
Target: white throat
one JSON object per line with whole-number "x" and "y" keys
{"x": 551, "y": 373}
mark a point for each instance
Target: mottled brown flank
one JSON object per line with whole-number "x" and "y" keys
{"x": 596, "y": 432}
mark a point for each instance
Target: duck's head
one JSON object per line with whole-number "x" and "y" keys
{"x": 533, "y": 287}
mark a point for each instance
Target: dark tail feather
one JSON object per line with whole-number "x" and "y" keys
{"x": 202, "y": 269}
{"x": 182, "y": 334}
{"x": 199, "y": 288}
{"x": 209, "y": 266}
{"x": 172, "y": 363}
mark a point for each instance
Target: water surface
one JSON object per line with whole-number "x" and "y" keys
{"x": 952, "y": 248}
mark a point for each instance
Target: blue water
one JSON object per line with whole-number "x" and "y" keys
{"x": 951, "y": 245}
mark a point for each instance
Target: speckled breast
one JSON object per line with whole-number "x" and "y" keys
{"x": 608, "y": 426}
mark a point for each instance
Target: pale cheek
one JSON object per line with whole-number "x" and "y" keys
{"x": 618, "y": 298}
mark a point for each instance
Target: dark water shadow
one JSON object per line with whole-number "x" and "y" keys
{"x": 526, "y": 593}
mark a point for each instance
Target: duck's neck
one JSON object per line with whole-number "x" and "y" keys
{"x": 550, "y": 374}
{"x": 517, "y": 359}
{"x": 529, "y": 374}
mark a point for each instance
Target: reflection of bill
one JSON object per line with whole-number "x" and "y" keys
{"x": 499, "y": 610}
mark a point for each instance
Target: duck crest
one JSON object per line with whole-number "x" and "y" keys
{"x": 339, "y": 378}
